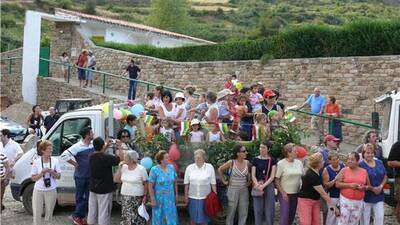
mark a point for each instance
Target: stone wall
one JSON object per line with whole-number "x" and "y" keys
{"x": 50, "y": 90}
{"x": 11, "y": 82}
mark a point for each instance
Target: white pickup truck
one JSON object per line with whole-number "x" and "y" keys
{"x": 66, "y": 132}
{"x": 63, "y": 135}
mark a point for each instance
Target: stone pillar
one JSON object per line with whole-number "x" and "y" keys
{"x": 61, "y": 41}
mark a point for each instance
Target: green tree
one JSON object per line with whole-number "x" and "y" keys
{"x": 169, "y": 14}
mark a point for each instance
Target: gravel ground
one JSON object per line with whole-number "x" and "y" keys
{"x": 15, "y": 214}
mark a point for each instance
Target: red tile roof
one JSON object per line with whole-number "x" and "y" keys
{"x": 134, "y": 26}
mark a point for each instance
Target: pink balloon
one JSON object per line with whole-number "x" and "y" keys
{"x": 301, "y": 152}
{"x": 174, "y": 153}
{"x": 117, "y": 114}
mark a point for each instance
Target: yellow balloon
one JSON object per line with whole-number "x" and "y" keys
{"x": 106, "y": 107}
{"x": 238, "y": 86}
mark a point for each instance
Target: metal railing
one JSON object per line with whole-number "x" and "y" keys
{"x": 104, "y": 75}
{"x": 10, "y": 63}
{"x": 331, "y": 118}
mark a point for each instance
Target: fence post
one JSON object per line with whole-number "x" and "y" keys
{"x": 10, "y": 66}
{"x": 104, "y": 83}
{"x": 69, "y": 73}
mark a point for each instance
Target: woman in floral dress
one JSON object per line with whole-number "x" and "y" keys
{"x": 163, "y": 191}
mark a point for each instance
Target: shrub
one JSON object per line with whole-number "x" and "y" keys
{"x": 65, "y": 4}
{"x": 307, "y": 41}
{"x": 90, "y": 7}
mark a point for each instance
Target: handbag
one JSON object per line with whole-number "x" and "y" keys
{"x": 256, "y": 192}
{"x": 212, "y": 205}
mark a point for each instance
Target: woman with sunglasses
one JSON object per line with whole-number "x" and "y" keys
{"x": 288, "y": 181}
{"x": 125, "y": 137}
{"x": 238, "y": 180}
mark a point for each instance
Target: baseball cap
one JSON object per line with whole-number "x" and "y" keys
{"x": 269, "y": 93}
{"x": 330, "y": 137}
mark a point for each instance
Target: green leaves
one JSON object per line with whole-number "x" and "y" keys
{"x": 361, "y": 38}
{"x": 169, "y": 14}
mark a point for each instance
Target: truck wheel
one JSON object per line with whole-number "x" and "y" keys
{"x": 27, "y": 198}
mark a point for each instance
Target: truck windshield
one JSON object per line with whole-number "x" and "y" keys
{"x": 384, "y": 109}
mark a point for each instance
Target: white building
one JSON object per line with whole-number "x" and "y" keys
{"x": 119, "y": 31}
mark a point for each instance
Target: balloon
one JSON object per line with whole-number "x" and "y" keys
{"x": 124, "y": 113}
{"x": 146, "y": 162}
{"x": 106, "y": 107}
{"x": 137, "y": 109}
{"x": 117, "y": 114}
{"x": 301, "y": 152}
{"x": 174, "y": 153}
{"x": 238, "y": 86}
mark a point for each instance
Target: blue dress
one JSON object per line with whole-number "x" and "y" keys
{"x": 164, "y": 213}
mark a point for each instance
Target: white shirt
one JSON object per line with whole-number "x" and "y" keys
{"x": 290, "y": 174}
{"x": 37, "y": 168}
{"x": 132, "y": 180}
{"x": 199, "y": 180}
{"x": 12, "y": 150}
{"x": 178, "y": 108}
{"x": 196, "y": 136}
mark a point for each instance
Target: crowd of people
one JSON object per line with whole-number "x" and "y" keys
{"x": 347, "y": 192}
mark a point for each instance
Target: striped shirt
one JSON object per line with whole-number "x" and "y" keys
{"x": 3, "y": 160}
{"x": 238, "y": 178}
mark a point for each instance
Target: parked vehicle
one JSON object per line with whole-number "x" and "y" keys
{"x": 18, "y": 132}
{"x": 66, "y": 105}
{"x": 388, "y": 106}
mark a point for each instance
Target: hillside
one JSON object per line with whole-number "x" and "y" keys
{"x": 215, "y": 20}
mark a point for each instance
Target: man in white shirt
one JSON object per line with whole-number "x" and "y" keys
{"x": 12, "y": 151}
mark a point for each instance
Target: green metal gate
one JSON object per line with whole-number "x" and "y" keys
{"x": 43, "y": 64}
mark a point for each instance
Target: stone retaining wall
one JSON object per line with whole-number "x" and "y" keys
{"x": 11, "y": 82}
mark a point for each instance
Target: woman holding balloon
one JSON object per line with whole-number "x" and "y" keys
{"x": 134, "y": 188}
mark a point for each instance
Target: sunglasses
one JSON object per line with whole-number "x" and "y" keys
{"x": 124, "y": 136}
{"x": 243, "y": 151}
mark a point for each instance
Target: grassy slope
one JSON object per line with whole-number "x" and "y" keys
{"x": 217, "y": 20}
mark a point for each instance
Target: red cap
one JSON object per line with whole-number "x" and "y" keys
{"x": 330, "y": 137}
{"x": 269, "y": 93}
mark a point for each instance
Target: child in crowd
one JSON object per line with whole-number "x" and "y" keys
{"x": 180, "y": 106}
{"x": 255, "y": 98}
{"x": 240, "y": 110}
{"x": 261, "y": 129}
{"x": 200, "y": 110}
{"x": 274, "y": 118}
{"x": 196, "y": 135}
{"x": 167, "y": 130}
{"x": 215, "y": 134}
{"x": 131, "y": 126}
{"x": 149, "y": 101}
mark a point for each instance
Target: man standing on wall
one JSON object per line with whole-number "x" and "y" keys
{"x": 133, "y": 71}
{"x": 317, "y": 103}
{"x": 78, "y": 156}
{"x": 82, "y": 63}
